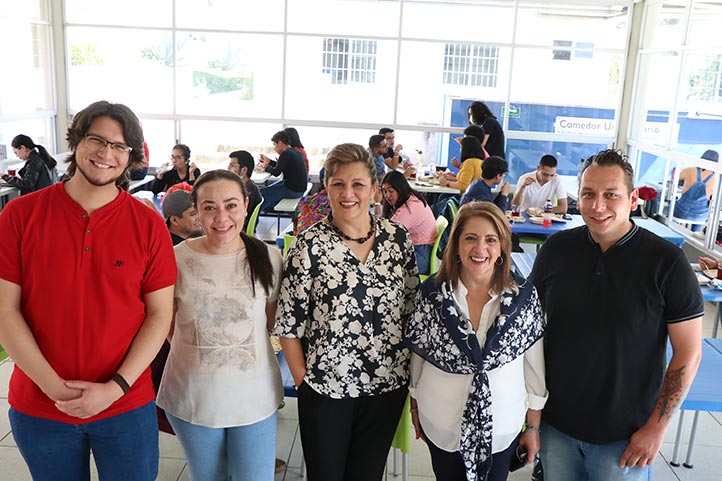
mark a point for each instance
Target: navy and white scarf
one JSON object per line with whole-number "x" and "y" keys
{"x": 441, "y": 335}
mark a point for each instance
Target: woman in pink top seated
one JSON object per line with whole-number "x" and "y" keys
{"x": 404, "y": 205}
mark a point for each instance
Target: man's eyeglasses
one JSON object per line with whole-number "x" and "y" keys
{"x": 98, "y": 144}
{"x": 175, "y": 157}
{"x": 233, "y": 165}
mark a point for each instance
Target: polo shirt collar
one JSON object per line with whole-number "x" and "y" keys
{"x": 621, "y": 242}
{"x": 75, "y": 208}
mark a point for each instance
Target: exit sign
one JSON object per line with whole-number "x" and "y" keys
{"x": 514, "y": 111}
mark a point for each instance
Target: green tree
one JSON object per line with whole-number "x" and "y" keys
{"x": 85, "y": 54}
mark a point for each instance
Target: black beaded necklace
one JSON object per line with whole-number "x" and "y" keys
{"x": 341, "y": 233}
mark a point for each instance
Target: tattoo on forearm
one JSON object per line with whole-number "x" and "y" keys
{"x": 672, "y": 391}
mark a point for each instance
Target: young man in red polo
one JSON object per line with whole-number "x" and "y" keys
{"x": 86, "y": 278}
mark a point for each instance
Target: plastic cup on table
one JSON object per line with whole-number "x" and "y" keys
{"x": 11, "y": 172}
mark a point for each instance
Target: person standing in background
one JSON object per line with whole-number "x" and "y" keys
{"x": 480, "y": 114}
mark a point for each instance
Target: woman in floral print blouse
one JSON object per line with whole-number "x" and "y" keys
{"x": 352, "y": 371}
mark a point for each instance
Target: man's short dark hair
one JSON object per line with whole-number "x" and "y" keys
{"x": 282, "y": 137}
{"x": 548, "y": 161}
{"x": 612, "y": 158}
{"x": 475, "y": 131}
{"x": 245, "y": 159}
{"x": 375, "y": 141}
{"x": 386, "y": 130}
{"x": 494, "y": 166}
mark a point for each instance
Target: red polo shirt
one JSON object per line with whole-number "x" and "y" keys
{"x": 83, "y": 279}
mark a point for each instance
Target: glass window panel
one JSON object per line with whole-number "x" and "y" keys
{"x": 523, "y": 155}
{"x": 699, "y": 104}
{"x": 133, "y": 67}
{"x": 211, "y": 141}
{"x": 230, "y": 15}
{"x": 357, "y": 87}
{"x": 656, "y": 90}
{"x": 41, "y": 130}
{"x": 705, "y": 26}
{"x": 664, "y": 24}
{"x": 464, "y": 22}
{"x": 543, "y": 91}
{"x": 603, "y": 25}
{"x": 27, "y": 10}
{"x": 426, "y": 94}
{"x": 131, "y": 13}
{"x": 350, "y": 17}
{"x": 318, "y": 141}
{"x": 229, "y": 74}
{"x": 160, "y": 137}
{"x": 31, "y": 78}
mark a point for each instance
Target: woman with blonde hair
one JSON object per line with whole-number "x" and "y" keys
{"x": 477, "y": 366}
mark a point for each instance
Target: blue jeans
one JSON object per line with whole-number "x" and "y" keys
{"x": 423, "y": 257}
{"x": 273, "y": 194}
{"x": 242, "y": 453}
{"x": 125, "y": 446}
{"x": 567, "y": 459}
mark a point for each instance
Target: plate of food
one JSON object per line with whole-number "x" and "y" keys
{"x": 536, "y": 219}
{"x": 535, "y": 211}
{"x": 515, "y": 218}
{"x": 558, "y": 218}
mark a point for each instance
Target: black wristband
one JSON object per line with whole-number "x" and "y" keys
{"x": 120, "y": 380}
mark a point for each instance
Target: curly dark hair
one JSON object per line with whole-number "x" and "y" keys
{"x": 132, "y": 132}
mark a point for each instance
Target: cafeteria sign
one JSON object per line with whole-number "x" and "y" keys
{"x": 584, "y": 126}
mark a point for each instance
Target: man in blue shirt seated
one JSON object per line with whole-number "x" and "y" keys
{"x": 492, "y": 173}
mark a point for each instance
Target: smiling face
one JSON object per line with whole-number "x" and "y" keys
{"x": 605, "y": 204}
{"x": 102, "y": 167}
{"x": 221, "y": 211}
{"x": 349, "y": 192}
{"x": 479, "y": 248}
{"x": 187, "y": 224}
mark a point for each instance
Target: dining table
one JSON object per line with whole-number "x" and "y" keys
{"x": 527, "y": 227}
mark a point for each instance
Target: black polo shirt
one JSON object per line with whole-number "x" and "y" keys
{"x": 607, "y": 316}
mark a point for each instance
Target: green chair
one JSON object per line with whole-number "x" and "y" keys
{"x": 402, "y": 441}
{"x": 441, "y": 224}
{"x": 287, "y": 243}
{"x": 453, "y": 204}
{"x": 3, "y": 354}
{"x": 253, "y": 220}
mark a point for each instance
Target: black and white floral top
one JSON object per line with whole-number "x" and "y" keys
{"x": 352, "y": 314}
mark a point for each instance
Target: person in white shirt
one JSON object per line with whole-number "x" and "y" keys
{"x": 534, "y": 188}
{"x": 221, "y": 386}
{"x": 477, "y": 363}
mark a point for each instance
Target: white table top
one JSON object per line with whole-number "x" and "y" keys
{"x": 429, "y": 188}
{"x": 260, "y": 177}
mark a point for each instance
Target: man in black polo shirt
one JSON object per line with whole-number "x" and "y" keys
{"x": 613, "y": 292}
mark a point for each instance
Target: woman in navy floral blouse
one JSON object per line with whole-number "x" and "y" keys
{"x": 477, "y": 368}
{"x": 352, "y": 371}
